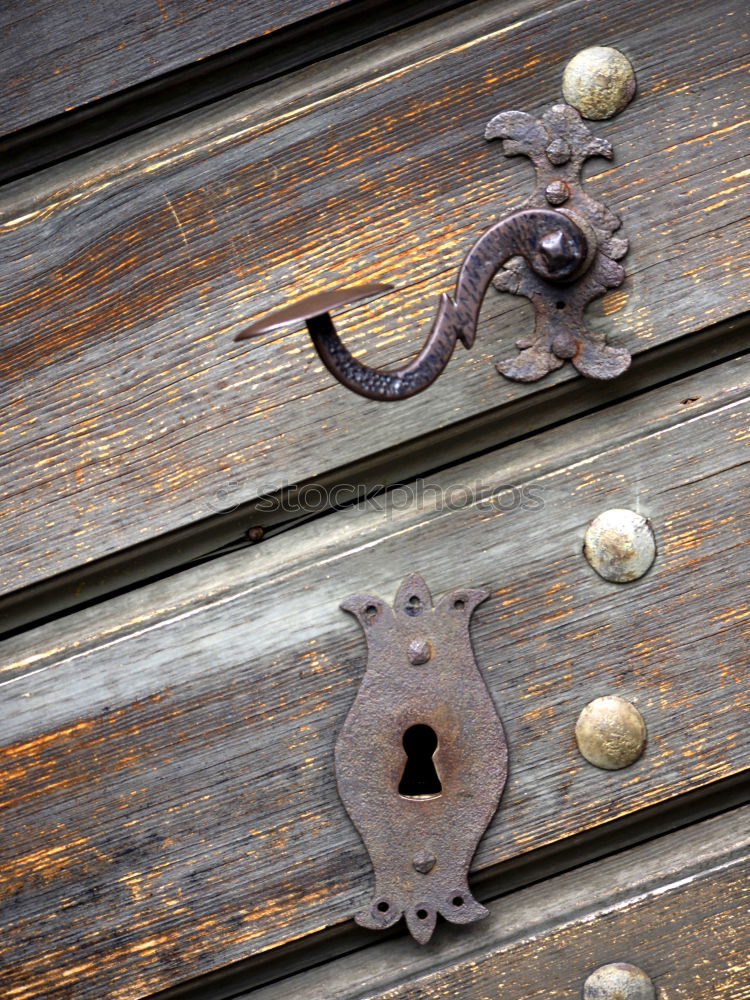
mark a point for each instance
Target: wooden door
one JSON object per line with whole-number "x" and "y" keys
{"x": 184, "y": 514}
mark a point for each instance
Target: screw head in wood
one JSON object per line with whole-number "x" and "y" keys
{"x": 619, "y": 981}
{"x": 620, "y": 545}
{"x": 610, "y": 733}
{"x": 598, "y": 82}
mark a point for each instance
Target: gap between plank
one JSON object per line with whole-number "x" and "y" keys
{"x": 206, "y": 81}
{"x": 241, "y": 979}
{"x": 223, "y": 534}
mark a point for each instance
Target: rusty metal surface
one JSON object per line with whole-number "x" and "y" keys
{"x": 420, "y": 672}
{"x": 555, "y": 247}
{"x": 558, "y": 144}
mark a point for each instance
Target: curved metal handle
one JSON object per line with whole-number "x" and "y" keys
{"x": 573, "y": 246}
{"x": 554, "y": 246}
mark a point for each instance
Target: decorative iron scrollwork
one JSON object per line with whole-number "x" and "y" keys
{"x": 558, "y": 144}
{"x": 558, "y": 250}
{"x": 421, "y": 761}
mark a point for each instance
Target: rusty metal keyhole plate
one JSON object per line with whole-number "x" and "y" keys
{"x": 421, "y": 675}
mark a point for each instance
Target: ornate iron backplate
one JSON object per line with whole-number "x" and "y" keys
{"x": 557, "y": 249}
{"x": 420, "y": 806}
{"x": 558, "y": 144}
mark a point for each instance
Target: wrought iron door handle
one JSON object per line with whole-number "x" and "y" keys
{"x": 558, "y": 257}
{"x": 555, "y": 247}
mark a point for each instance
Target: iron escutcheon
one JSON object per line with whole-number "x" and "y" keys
{"x": 421, "y": 761}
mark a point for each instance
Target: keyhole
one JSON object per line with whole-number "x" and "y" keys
{"x": 420, "y": 779}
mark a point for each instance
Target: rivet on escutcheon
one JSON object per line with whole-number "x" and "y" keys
{"x": 424, "y": 862}
{"x": 598, "y": 82}
{"x": 557, "y": 192}
{"x": 620, "y": 545}
{"x": 610, "y": 733}
{"x": 619, "y": 981}
{"x": 419, "y": 652}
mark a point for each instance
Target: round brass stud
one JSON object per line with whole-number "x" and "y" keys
{"x": 619, "y": 981}
{"x": 620, "y": 545}
{"x": 610, "y": 733}
{"x": 598, "y": 82}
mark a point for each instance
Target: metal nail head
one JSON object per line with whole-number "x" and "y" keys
{"x": 620, "y": 545}
{"x": 419, "y": 652}
{"x": 619, "y": 981}
{"x": 424, "y": 862}
{"x": 598, "y": 82}
{"x": 610, "y": 733}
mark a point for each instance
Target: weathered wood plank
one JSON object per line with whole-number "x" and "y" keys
{"x": 167, "y": 773}
{"x": 676, "y": 907}
{"x": 57, "y": 56}
{"x": 228, "y": 531}
{"x": 104, "y": 112}
{"x": 124, "y": 276}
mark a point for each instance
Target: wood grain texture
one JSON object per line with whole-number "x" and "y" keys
{"x": 413, "y": 458}
{"x": 325, "y": 30}
{"x": 59, "y": 55}
{"x": 167, "y": 771}
{"x": 677, "y": 907}
{"x": 125, "y": 275}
